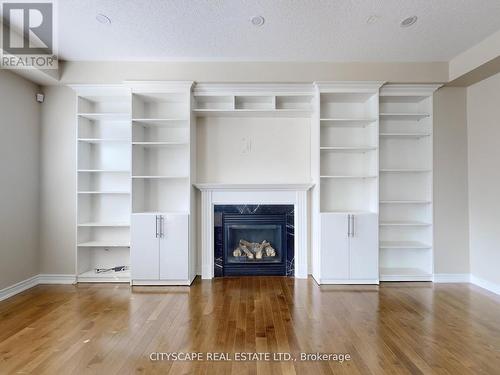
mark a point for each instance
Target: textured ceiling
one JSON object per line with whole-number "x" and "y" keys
{"x": 307, "y": 30}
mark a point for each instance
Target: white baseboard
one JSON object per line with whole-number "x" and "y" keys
{"x": 485, "y": 284}
{"x": 56, "y": 279}
{"x": 18, "y": 287}
{"x": 451, "y": 278}
{"x": 34, "y": 281}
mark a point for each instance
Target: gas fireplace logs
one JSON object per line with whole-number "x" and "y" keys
{"x": 254, "y": 250}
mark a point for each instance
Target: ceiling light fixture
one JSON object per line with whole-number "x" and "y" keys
{"x": 102, "y": 18}
{"x": 258, "y": 20}
{"x": 409, "y": 21}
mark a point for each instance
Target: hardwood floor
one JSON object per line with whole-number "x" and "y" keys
{"x": 397, "y": 328}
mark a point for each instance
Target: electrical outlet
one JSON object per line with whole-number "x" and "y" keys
{"x": 246, "y": 145}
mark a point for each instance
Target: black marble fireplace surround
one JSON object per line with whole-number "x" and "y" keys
{"x": 273, "y": 223}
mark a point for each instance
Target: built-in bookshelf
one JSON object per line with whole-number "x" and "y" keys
{"x": 405, "y": 227}
{"x": 250, "y": 100}
{"x": 345, "y": 170}
{"x": 348, "y": 149}
{"x": 103, "y": 183}
{"x": 161, "y": 121}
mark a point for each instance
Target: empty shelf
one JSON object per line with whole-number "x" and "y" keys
{"x": 349, "y": 177}
{"x": 158, "y": 177}
{"x": 120, "y": 116}
{"x": 104, "y": 244}
{"x": 103, "y": 140}
{"x": 346, "y": 122}
{"x": 403, "y": 245}
{"x": 404, "y": 274}
{"x": 253, "y": 112}
{"x": 159, "y": 144}
{"x": 405, "y": 202}
{"x": 404, "y": 170}
{"x": 105, "y": 224}
{"x": 103, "y": 192}
{"x": 404, "y": 116}
{"x": 404, "y": 135}
{"x": 403, "y": 224}
{"x": 104, "y": 170}
{"x": 348, "y": 149}
{"x": 162, "y": 122}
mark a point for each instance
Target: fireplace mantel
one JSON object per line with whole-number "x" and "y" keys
{"x": 251, "y": 187}
{"x": 221, "y": 193}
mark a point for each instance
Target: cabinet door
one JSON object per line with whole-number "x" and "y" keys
{"x": 144, "y": 248}
{"x": 334, "y": 246}
{"x": 363, "y": 249}
{"x": 174, "y": 247}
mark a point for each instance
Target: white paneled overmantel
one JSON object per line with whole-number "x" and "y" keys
{"x": 237, "y": 194}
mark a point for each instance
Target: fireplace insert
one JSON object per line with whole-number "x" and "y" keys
{"x": 254, "y": 244}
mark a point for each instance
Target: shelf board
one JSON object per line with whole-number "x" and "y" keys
{"x": 404, "y": 135}
{"x": 404, "y": 274}
{"x": 404, "y": 116}
{"x": 403, "y": 223}
{"x": 401, "y": 170}
{"x": 103, "y": 140}
{"x": 103, "y": 170}
{"x": 403, "y": 245}
{"x": 349, "y": 177}
{"x": 155, "y": 212}
{"x": 348, "y": 149}
{"x": 110, "y": 116}
{"x": 103, "y": 277}
{"x": 405, "y": 202}
{"x": 162, "y": 122}
{"x": 104, "y": 224}
{"x": 346, "y": 122}
{"x": 104, "y": 244}
{"x": 103, "y": 192}
{"x": 347, "y": 212}
{"x": 253, "y": 113}
{"x": 402, "y": 98}
{"x": 159, "y": 177}
{"x": 159, "y": 144}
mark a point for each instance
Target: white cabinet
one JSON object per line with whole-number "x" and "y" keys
{"x": 160, "y": 249}
{"x": 349, "y": 249}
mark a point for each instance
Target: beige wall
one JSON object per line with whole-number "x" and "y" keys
{"x": 19, "y": 187}
{"x": 58, "y": 181}
{"x": 451, "y": 224}
{"x": 245, "y": 151}
{"x": 483, "y": 127}
{"x": 116, "y": 71}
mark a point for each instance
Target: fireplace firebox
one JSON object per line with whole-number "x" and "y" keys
{"x": 254, "y": 240}
{"x": 253, "y": 244}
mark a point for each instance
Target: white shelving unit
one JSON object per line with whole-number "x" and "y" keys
{"x": 103, "y": 182}
{"x": 163, "y": 173}
{"x": 345, "y": 171}
{"x": 250, "y": 100}
{"x": 406, "y": 231}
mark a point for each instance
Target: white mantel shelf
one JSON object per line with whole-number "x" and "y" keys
{"x": 254, "y": 187}
{"x": 220, "y": 193}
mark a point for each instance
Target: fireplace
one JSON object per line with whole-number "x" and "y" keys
{"x": 254, "y": 240}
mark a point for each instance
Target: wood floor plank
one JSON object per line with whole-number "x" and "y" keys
{"x": 397, "y": 328}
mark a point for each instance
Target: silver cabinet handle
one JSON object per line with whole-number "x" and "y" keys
{"x": 352, "y": 226}
{"x": 162, "y": 226}
{"x": 157, "y": 231}
{"x": 348, "y": 225}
